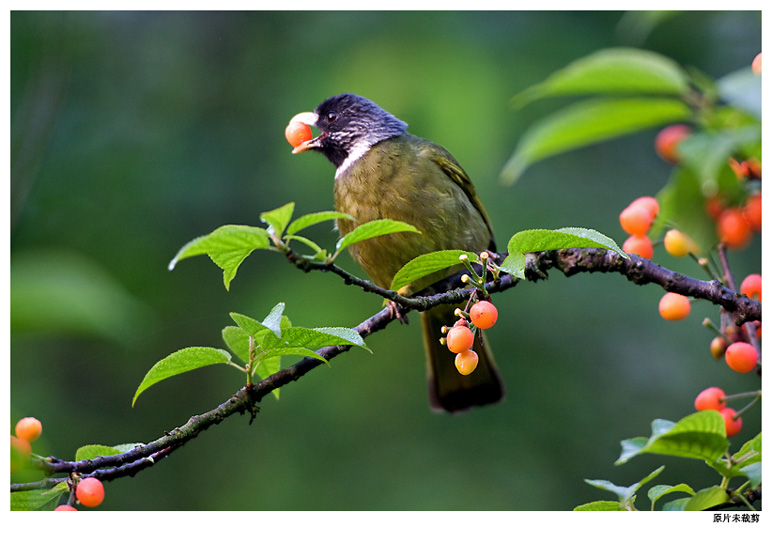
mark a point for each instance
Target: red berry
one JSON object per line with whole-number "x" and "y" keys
{"x": 296, "y": 133}
{"x": 751, "y": 287}
{"x": 90, "y": 492}
{"x": 732, "y": 426}
{"x": 466, "y": 362}
{"x": 741, "y": 357}
{"x": 639, "y": 245}
{"x": 459, "y": 339}
{"x": 733, "y": 229}
{"x": 483, "y": 314}
{"x": 710, "y": 398}
{"x": 718, "y": 347}
{"x": 674, "y": 306}
{"x": 29, "y": 428}
{"x": 649, "y": 203}
{"x": 636, "y": 220}
{"x": 667, "y": 141}
{"x": 714, "y": 206}
{"x": 65, "y": 507}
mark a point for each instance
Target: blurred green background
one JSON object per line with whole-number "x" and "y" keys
{"x": 134, "y": 132}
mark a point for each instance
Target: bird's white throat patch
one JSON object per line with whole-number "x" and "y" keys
{"x": 357, "y": 152}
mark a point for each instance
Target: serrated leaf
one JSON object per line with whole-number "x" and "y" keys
{"x": 37, "y": 500}
{"x": 618, "y": 70}
{"x": 87, "y": 452}
{"x": 700, "y": 435}
{"x": 656, "y": 492}
{"x": 184, "y": 360}
{"x": 426, "y": 264}
{"x": 676, "y": 505}
{"x": 532, "y": 241}
{"x": 622, "y": 492}
{"x": 589, "y": 122}
{"x": 707, "y": 498}
{"x": 273, "y": 320}
{"x": 278, "y": 218}
{"x": 227, "y": 246}
{"x": 287, "y": 351}
{"x": 373, "y": 229}
{"x": 600, "y": 506}
{"x": 314, "y": 218}
{"x": 267, "y": 367}
{"x": 316, "y": 338}
{"x": 237, "y": 341}
{"x": 253, "y": 327}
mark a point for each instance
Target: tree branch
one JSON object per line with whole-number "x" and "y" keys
{"x": 569, "y": 261}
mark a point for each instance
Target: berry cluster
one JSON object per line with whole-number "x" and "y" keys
{"x": 460, "y": 338}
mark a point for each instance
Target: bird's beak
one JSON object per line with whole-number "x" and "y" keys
{"x": 310, "y": 118}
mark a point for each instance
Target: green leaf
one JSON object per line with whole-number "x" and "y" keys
{"x": 600, "y": 506}
{"x": 612, "y": 71}
{"x": 626, "y": 494}
{"x": 278, "y": 218}
{"x": 227, "y": 246}
{"x": 313, "y": 218}
{"x": 237, "y": 341}
{"x": 271, "y": 323}
{"x": 319, "y": 253}
{"x": 181, "y": 361}
{"x": 273, "y": 320}
{"x": 531, "y": 241}
{"x": 656, "y": 492}
{"x": 286, "y": 351}
{"x": 373, "y": 229}
{"x": 427, "y": 264}
{"x": 589, "y": 122}
{"x": 92, "y": 451}
{"x": 700, "y": 435}
{"x": 37, "y": 500}
{"x": 753, "y": 473}
{"x": 267, "y": 367}
{"x": 316, "y": 338}
{"x": 707, "y": 498}
{"x": 676, "y": 505}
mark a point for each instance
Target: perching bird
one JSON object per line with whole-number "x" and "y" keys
{"x": 383, "y": 172}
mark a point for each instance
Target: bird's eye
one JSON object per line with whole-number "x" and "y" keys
{"x": 332, "y": 117}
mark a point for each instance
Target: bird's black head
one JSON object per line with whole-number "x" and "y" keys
{"x": 350, "y": 125}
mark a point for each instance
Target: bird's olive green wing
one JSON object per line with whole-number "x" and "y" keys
{"x": 453, "y": 170}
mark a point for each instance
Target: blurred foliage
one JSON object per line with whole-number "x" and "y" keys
{"x": 133, "y": 132}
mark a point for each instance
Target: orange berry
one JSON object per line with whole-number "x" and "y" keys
{"x": 733, "y": 229}
{"x": 649, "y": 202}
{"x": 732, "y": 426}
{"x": 754, "y": 168}
{"x": 679, "y": 244}
{"x": 466, "y": 362}
{"x": 718, "y": 347}
{"x": 20, "y": 452}
{"x": 752, "y": 211}
{"x": 756, "y": 64}
{"x": 90, "y": 492}
{"x": 741, "y": 357}
{"x": 296, "y": 133}
{"x": 483, "y": 314}
{"x": 29, "y": 428}
{"x": 459, "y": 339}
{"x": 639, "y": 245}
{"x": 710, "y": 398}
{"x": 65, "y": 507}
{"x": 667, "y": 141}
{"x": 636, "y": 220}
{"x": 674, "y": 306}
{"x": 751, "y": 287}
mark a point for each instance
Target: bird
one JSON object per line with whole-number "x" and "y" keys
{"x": 384, "y": 172}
